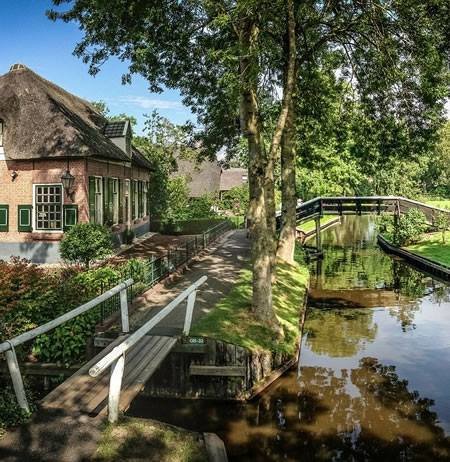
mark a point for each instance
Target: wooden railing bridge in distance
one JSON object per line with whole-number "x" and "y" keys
{"x": 358, "y": 205}
{"x": 132, "y": 359}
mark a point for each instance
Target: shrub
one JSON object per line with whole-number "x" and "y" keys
{"x": 236, "y": 200}
{"x": 406, "y": 230}
{"x": 86, "y": 242}
{"x": 442, "y": 223}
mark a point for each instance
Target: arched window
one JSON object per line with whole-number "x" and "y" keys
{"x": 1, "y": 132}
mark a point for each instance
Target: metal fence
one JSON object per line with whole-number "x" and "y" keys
{"x": 159, "y": 268}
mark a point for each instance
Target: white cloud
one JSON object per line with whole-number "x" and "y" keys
{"x": 150, "y": 103}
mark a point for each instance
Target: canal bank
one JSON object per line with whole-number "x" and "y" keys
{"x": 372, "y": 381}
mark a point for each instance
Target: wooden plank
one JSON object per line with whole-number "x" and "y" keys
{"x": 218, "y": 371}
{"x": 54, "y": 397}
{"x": 99, "y": 394}
{"x": 42, "y": 369}
{"x": 132, "y": 390}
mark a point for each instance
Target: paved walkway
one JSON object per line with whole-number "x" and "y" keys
{"x": 55, "y": 436}
{"x": 221, "y": 264}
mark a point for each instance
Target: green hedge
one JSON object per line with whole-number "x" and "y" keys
{"x": 184, "y": 227}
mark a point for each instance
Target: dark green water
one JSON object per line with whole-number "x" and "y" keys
{"x": 373, "y": 382}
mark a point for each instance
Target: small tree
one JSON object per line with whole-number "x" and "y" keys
{"x": 236, "y": 200}
{"x": 86, "y": 242}
{"x": 410, "y": 227}
{"x": 442, "y": 223}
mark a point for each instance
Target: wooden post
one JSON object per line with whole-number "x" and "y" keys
{"x": 115, "y": 384}
{"x": 189, "y": 312}
{"x": 204, "y": 240}
{"x": 16, "y": 378}
{"x": 124, "y": 311}
{"x": 318, "y": 240}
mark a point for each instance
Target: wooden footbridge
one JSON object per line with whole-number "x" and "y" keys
{"x": 131, "y": 358}
{"x": 358, "y": 205}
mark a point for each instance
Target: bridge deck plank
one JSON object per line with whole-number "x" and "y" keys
{"x": 83, "y": 393}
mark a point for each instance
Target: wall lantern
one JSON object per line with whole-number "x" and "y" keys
{"x": 68, "y": 180}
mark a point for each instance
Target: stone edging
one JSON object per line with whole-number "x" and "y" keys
{"x": 422, "y": 263}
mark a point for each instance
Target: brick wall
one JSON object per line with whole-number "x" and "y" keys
{"x": 20, "y": 191}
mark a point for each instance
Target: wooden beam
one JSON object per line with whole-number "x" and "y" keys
{"x": 218, "y": 371}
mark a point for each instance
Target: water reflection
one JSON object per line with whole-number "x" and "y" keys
{"x": 373, "y": 380}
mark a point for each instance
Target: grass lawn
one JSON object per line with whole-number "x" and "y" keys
{"x": 310, "y": 225}
{"x": 441, "y": 203}
{"x": 147, "y": 440}
{"x": 431, "y": 246}
{"x": 231, "y": 320}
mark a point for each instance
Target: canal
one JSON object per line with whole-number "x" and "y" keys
{"x": 373, "y": 381}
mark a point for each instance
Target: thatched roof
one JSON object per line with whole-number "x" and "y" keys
{"x": 208, "y": 177}
{"x": 44, "y": 121}
{"x": 233, "y": 177}
{"x": 203, "y": 177}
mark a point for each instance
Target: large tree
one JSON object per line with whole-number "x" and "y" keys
{"x": 228, "y": 57}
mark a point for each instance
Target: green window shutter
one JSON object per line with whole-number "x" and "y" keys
{"x": 24, "y": 218}
{"x": 121, "y": 208}
{"x": 140, "y": 204}
{"x": 4, "y": 218}
{"x": 148, "y": 198}
{"x": 105, "y": 199}
{"x": 92, "y": 199}
{"x": 70, "y": 216}
{"x": 133, "y": 208}
{"x": 110, "y": 200}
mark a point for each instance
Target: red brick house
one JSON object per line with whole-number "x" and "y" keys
{"x": 61, "y": 162}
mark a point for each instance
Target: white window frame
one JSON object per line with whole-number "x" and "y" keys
{"x": 34, "y": 228}
{"x": 98, "y": 199}
{"x": 115, "y": 192}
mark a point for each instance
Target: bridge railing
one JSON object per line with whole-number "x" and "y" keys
{"x": 8, "y": 347}
{"x": 116, "y": 357}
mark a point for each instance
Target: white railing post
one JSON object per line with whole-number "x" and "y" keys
{"x": 124, "y": 311}
{"x": 16, "y": 378}
{"x": 189, "y": 312}
{"x": 115, "y": 384}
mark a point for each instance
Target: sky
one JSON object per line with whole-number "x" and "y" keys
{"x": 27, "y": 36}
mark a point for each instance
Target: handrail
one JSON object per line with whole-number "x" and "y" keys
{"x": 8, "y": 346}
{"x": 116, "y": 357}
{"x": 33, "y": 333}
{"x": 120, "y": 349}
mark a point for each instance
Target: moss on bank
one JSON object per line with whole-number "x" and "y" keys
{"x": 231, "y": 320}
{"x": 431, "y": 246}
{"x": 140, "y": 439}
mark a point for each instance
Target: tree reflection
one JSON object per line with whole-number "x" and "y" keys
{"x": 370, "y": 415}
{"x": 339, "y": 333}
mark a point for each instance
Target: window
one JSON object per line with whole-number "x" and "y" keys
{"x": 136, "y": 199}
{"x": 115, "y": 200}
{"x": 126, "y": 208}
{"x": 98, "y": 200}
{"x": 1, "y": 133}
{"x": 48, "y": 207}
{"x": 144, "y": 199}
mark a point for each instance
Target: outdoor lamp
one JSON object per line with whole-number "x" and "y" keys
{"x": 67, "y": 180}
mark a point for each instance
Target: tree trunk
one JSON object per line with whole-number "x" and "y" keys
{"x": 259, "y": 232}
{"x": 286, "y": 106}
{"x": 286, "y": 243}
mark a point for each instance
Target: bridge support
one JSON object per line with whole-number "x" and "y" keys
{"x": 115, "y": 384}
{"x": 16, "y": 378}
{"x": 318, "y": 236}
